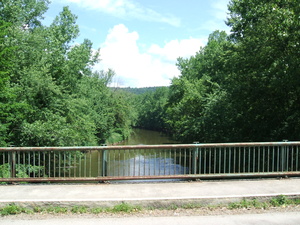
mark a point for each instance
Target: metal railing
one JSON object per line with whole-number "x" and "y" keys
{"x": 192, "y": 161}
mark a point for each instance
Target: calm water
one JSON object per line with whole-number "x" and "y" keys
{"x": 144, "y": 162}
{"x": 141, "y": 162}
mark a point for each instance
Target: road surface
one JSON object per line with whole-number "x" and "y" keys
{"x": 280, "y": 218}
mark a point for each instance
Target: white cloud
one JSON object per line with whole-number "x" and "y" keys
{"x": 220, "y": 9}
{"x": 126, "y": 9}
{"x": 154, "y": 67}
{"x": 177, "y": 48}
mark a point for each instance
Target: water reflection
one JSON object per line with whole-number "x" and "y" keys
{"x": 147, "y": 162}
{"x": 142, "y": 165}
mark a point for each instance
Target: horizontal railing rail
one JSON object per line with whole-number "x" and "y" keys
{"x": 133, "y": 162}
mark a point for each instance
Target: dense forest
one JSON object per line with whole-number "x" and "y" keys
{"x": 138, "y": 91}
{"x": 242, "y": 86}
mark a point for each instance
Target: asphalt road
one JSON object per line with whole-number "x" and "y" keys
{"x": 282, "y": 218}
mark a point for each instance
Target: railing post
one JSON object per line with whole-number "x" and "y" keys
{"x": 13, "y": 165}
{"x": 195, "y": 159}
{"x": 104, "y": 163}
{"x": 284, "y": 157}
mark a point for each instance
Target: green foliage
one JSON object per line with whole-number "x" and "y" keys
{"x": 264, "y": 84}
{"x": 49, "y": 94}
{"x": 280, "y": 200}
{"x": 64, "y": 28}
{"x": 151, "y": 107}
{"x": 52, "y": 210}
{"x": 11, "y": 111}
{"x": 13, "y": 209}
{"x": 22, "y": 171}
{"x": 139, "y": 91}
{"x": 4, "y": 91}
{"x": 23, "y": 12}
{"x": 54, "y": 130}
{"x": 125, "y": 207}
{"x": 114, "y": 138}
{"x": 245, "y": 86}
{"x": 79, "y": 209}
{"x": 5, "y": 170}
{"x": 172, "y": 207}
{"x": 97, "y": 210}
{"x": 195, "y": 96}
{"x": 244, "y": 204}
{"x": 122, "y": 113}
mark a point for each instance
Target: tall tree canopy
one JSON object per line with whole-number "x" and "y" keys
{"x": 265, "y": 77}
{"x": 50, "y": 96}
{"x": 245, "y": 86}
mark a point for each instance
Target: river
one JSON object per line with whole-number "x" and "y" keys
{"x": 140, "y": 162}
{"x": 143, "y": 162}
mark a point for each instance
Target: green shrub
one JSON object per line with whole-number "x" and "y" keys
{"x": 280, "y": 200}
{"x": 125, "y": 207}
{"x": 13, "y": 209}
{"x": 56, "y": 209}
{"x": 79, "y": 209}
{"x": 97, "y": 210}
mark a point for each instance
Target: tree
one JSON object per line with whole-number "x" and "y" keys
{"x": 49, "y": 94}
{"x": 62, "y": 32}
{"x": 4, "y": 83}
{"x": 151, "y": 109}
{"x": 194, "y": 112}
{"x": 245, "y": 88}
{"x": 11, "y": 111}
{"x": 25, "y": 14}
{"x": 122, "y": 112}
{"x": 264, "y": 83}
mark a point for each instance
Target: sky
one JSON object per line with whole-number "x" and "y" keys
{"x": 141, "y": 39}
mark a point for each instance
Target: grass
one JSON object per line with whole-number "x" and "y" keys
{"x": 279, "y": 201}
{"x": 192, "y": 206}
{"x": 248, "y": 204}
{"x": 13, "y": 209}
{"x": 56, "y": 210}
{"x": 125, "y": 207}
{"x": 79, "y": 209}
{"x": 97, "y": 210}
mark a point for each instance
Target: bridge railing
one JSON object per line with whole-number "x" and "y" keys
{"x": 191, "y": 161}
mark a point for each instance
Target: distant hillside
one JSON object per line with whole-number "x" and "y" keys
{"x": 139, "y": 91}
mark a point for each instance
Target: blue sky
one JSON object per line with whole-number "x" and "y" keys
{"x": 142, "y": 39}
